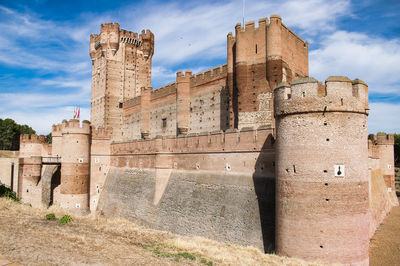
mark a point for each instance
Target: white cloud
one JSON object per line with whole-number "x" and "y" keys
{"x": 356, "y": 55}
{"x": 192, "y": 33}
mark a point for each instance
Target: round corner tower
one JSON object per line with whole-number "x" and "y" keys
{"x": 322, "y": 170}
{"x": 75, "y": 166}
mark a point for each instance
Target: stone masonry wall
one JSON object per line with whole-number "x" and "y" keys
{"x": 7, "y": 159}
{"x": 219, "y": 185}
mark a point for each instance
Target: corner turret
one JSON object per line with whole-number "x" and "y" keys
{"x": 75, "y": 166}
{"x": 321, "y": 169}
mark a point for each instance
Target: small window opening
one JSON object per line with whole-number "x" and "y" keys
{"x": 325, "y": 171}
{"x": 164, "y": 122}
{"x": 120, "y": 105}
{"x": 326, "y": 184}
{"x": 325, "y": 123}
{"x": 327, "y": 139}
{"x": 256, "y": 48}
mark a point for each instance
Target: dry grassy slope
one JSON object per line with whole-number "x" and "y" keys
{"x": 26, "y": 237}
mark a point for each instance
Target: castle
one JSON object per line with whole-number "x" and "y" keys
{"x": 253, "y": 152}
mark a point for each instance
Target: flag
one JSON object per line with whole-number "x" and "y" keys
{"x": 75, "y": 113}
{"x": 79, "y": 112}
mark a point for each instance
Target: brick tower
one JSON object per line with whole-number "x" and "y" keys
{"x": 322, "y": 210}
{"x": 75, "y": 166}
{"x": 121, "y": 66}
{"x": 30, "y": 168}
{"x": 259, "y": 58}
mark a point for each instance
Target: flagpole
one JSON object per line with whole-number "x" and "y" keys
{"x": 243, "y": 11}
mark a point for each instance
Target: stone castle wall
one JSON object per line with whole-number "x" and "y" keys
{"x": 218, "y": 185}
{"x": 198, "y": 156}
{"x": 8, "y": 166}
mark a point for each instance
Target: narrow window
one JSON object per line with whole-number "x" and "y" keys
{"x": 164, "y": 122}
{"x": 256, "y": 48}
{"x": 120, "y": 105}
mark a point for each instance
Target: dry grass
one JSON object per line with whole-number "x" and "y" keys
{"x": 28, "y": 238}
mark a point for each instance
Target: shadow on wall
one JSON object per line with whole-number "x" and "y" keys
{"x": 265, "y": 191}
{"x": 55, "y": 182}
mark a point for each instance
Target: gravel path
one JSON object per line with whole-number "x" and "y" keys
{"x": 384, "y": 248}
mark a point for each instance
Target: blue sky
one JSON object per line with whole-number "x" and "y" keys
{"x": 45, "y": 68}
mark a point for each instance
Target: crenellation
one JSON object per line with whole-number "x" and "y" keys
{"x": 256, "y": 138}
{"x": 132, "y": 102}
{"x": 384, "y": 139}
{"x": 307, "y": 95}
{"x": 102, "y": 133}
{"x": 33, "y": 138}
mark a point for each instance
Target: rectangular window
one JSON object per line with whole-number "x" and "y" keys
{"x": 164, "y": 122}
{"x": 120, "y": 105}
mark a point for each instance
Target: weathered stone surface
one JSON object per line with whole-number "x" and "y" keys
{"x": 207, "y": 204}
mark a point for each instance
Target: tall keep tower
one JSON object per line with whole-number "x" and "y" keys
{"x": 322, "y": 210}
{"x": 259, "y": 58}
{"x": 121, "y": 66}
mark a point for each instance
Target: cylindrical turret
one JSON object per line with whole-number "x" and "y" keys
{"x": 145, "y": 103}
{"x": 274, "y": 51}
{"x": 56, "y": 141}
{"x": 32, "y": 147}
{"x": 322, "y": 171}
{"x": 92, "y": 47}
{"x": 75, "y": 166}
{"x": 148, "y": 43}
{"x": 386, "y": 159}
{"x": 183, "y": 102}
{"x": 230, "y": 80}
{"x": 109, "y": 34}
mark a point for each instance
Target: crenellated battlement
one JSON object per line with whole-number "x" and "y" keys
{"x": 183, "y": 76}
{"x": 339, "y": 94}
{"x": 109, "y": 27}
{"x": 73, "y": 126}
{"x": 382, "y": 139}
{"x": 132, "y": 102}
{"x": 251, "y": 25}
{"x": 209, "y": 75}
{"x": 164, "y": 91}
{"x": 102, "y": 133}
{"x": 247, "y": 139}
{"x": 56, "y": 130}
{"x": 26, "y": 138}
{"x": 111, "y": 36}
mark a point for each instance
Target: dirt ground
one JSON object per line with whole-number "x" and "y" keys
{"x": 384, "y": 248}
{"x": 26, "y": 237}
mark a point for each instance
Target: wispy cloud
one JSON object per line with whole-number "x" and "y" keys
{"x": 188, "y": 35}
{"x": 375, "y": 60}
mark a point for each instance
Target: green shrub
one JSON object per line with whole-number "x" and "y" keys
{"x": 204, "y": 261}
{"x": 65, "y": 219}
{"x": 187, "y": 255}
{"x": 7, "y": 193}
{"x": 50, "y": 216}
